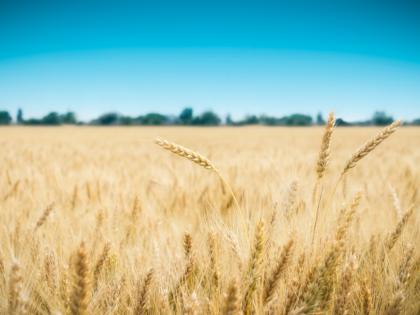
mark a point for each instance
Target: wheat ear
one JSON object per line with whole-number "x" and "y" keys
{"x": 44, "y": 216}
{"x": 343, "y": 289}
{"x": 213, "y": 260}
{"x": 143, "y": 293}
{"x": 394, "y": 236}
{"x": 187, "y": 244}
{"x": 51, "y": 274}
{"x": 100, "y": 264}
{"x": 196, "y": 158}
{"x": 15, "y": 288}
{"x": 80, "y": 296}
{"x": 367, "y": 301}
{"x": 232, "y": 305}
{"x": 324, "y": 153}
{"x": 274, "y": 279}
{"x": 370, "y": 146}
{"x": 255, "y": 266}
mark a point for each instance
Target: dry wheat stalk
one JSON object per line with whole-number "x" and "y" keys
{"x": 80, "y": 296}
{"x": 188, "y": 276}
{"x": 187, "y": 245}
{"x": 190, "y": 304}
{"x": 186, "y": 153}
{"x": 394, "y": 236}
{"x": 395, "y": 201}
{"x": 273, "y": 280}
{"x": 44, "y": 216}
{"x": 51, "y": 274}
{"x": 12, "y": 191}
{"x": 15, "y": 289}
{"x": 213, "y": 260}
{"x": 232, "y": 302}
{"x": 2, "y": 273}
{"x": 143, "y": 293}
{"x": 296, "y": 283}
{"x": 367, "y": 303}
{"x": 63, "y": 293}
{"x": 74, "y": 197}
{"x": 324, "y": 153}
{"x": 405, "y": 267}
{"x": 346, "y": 218}
{"x": 255, "y": 267}
{"x": 100, "y": 263}
{"x": 318, "y": 293}
{"x": 395, "y": 305}
{"x": 343, "y": 289}
{"x": 370, "y": 146}
{"x": 196, "y": 158}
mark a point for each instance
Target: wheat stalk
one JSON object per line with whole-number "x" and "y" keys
{"x": 367, "y": 303}
{"x": 15, "y": 289}
{"x": 100, "y": 263}
{"x": 255, "y": 266}
{"x": 197, "y": 158}
{"x": 370, "y": 146}
{"x": 343, "y": 289}
{"x": 143, "y": 293}
{"x": 213, "y": 260}
{"x": 80, "y": 295}
{"x": 394, "y": 236}
{"x": 44, "y": 216}
{"x": 51, "y": 270}
{"x": 187, "y": 243}
{"x": 324, "y": 153}
{"x": 274, "y": 279}
{"x": 232, "y": 304}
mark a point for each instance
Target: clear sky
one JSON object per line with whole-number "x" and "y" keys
{"x": 238, "y": 57}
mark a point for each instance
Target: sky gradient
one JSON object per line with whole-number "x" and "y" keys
{"x": 238, "y": 57}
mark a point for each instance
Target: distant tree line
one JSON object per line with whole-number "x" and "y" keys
{"x": 188, "y": 118}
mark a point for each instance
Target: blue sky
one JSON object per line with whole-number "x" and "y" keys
{"x": 238, "y": 57}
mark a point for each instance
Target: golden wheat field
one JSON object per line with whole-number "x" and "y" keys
{"x": 106, "y": 221}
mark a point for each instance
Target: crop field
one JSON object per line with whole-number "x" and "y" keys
{"x": 264, "y": 221}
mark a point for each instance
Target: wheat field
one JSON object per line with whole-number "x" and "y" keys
{"x": 264, "y": 221}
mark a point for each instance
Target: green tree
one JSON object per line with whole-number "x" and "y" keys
{"x": 416, "y": 122}
{"x": 298, "y": 120}
{"x": 52, "y": 118}
{"x": 19, "y": 117}
{"x": 107, "y": 119}
{"x": 381, "y": 119}
{"x": 207, "y": 118}
{"x": 251, "y": 120}
{"x": 229, "y": 120}
{"x": 320, "y": 121}
{"x": 68, "y": 118}
{"x": 270, "y": 121}
{"x": 186, "y": 116}
{"x": 153, "y": 119}
{"x": 127, "y": 120}
{"x": 340, "y": 122}
{"x": 33, "y": 121}
{"x": 5, "y": 118}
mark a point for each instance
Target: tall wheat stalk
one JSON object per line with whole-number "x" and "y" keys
{"x": 232, "y": 302}
{"x": 321, "y": 166}
{"x": 370, "y": 146}
{"x": 197, "y": 158}
{"x": 255, "y": 267}
{"x": 80, "y": 296}
{"x": 324, "y": 152}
